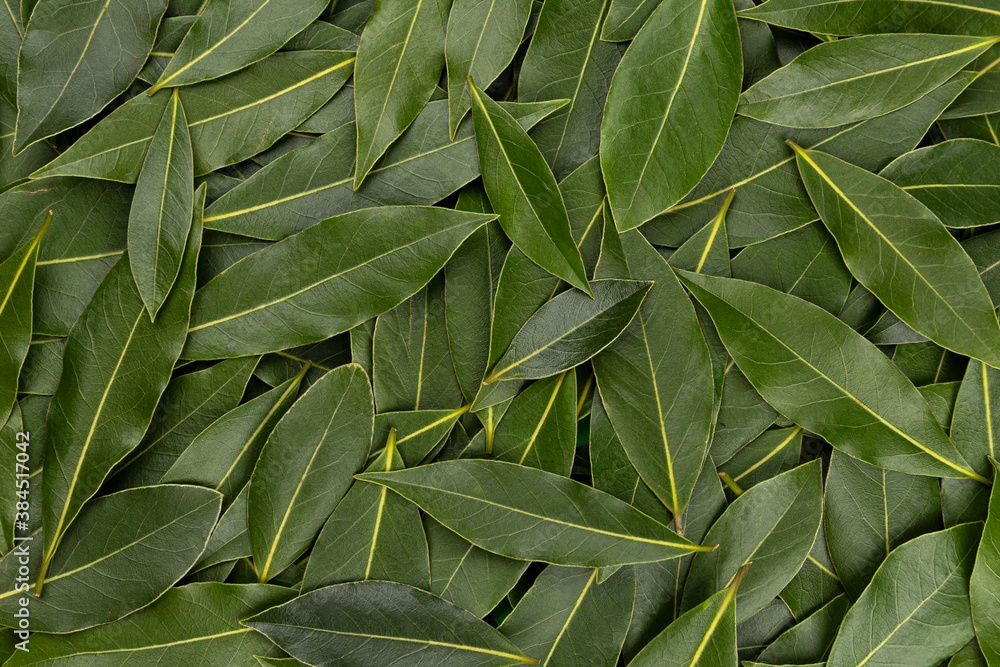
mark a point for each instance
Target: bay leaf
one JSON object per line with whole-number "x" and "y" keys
{"x": 641, "y": 142}
{"x": 863, "y": 211}
{"x": 160, "y": 218}
{"x": 892, "y": 429}
{"x": 925, "y": 616}
{"x": 586, "y": 528}
{"x": 349, "y": 284}
{"x": 228, "y": 36}
{"x": 370, "y": 622}
{"x": 845, "y": 81}
{"x": 306, "y": 467}
{"x": 400, "y": 58}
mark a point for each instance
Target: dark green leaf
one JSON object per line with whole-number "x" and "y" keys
{"x": 984, "y": 582}
{"x": 957, "y": 180}
{"x": 378, "y": 622}
{"x": 155, "y": 533}
{"x": 399, "y": 62}
{"x": 945, "y": 299}
{"x": 871, "y": 511}
{"x": 351, "y": 282}
{"x": 192, "y": 623}
{"x": 916, "y": 610}
{"x": 160, "y": 218}
{"x": 523, "y": 191}
{"x": 566, "y": 59}
{"x": 229, "y": 35}
{"x": 773, "y": 525}
{"x": 539, "y": 427}
{"x": 568, "y": 614}
{"x": 570, "y": 329}
{"x": 656, "y": 383}
{"x": 100, "y": 46}
{"x": 306, "y": 467}
{"x": 581, "y": 526}
{"x": 847, "y": 376}
{"x": 863, "y": 77}
{"x": 649, "y": 156}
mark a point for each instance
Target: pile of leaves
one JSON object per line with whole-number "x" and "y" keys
{"x": 496, "y": 332}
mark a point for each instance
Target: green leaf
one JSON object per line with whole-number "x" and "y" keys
{"x": 11, "y": 36}
{"x": 656, "y": 383}
{"x": 916, "y": 610}
{"x": 840, "y": 390}
{"x": 955, "y": 179}
{"x": 399, "y": 62}
{"x": 979, "y": 98}
{"x": 376, "y": 622}
{"x": 313, "y": 183}
{"x": 707, "y": 251}
{"x": 568, "y": 614}
{"x": 539, "y": 427}
{"x": 16, "y": 168}
{"x": 770, "y": 198}
{"x": 859, "y": 17}
{"x": 230, "y": 540}
{"x": 371, "y": 535}
{"x": 975, "y": 426}
{"x": 804, "y": 263}
{"x": 816, "y": 583}
{"x": 228, "y": 36}
{"x": 116, "y": 147}
{"x": 649, "y": 158}
{"x": 169, "y": 36}
{"x": 812, "y": 638}
{"x": 773, "y": 525}
{"x": 223, "y": 456}
{"x": 546, "y": 517}
{"x": 42, "y": 367}
{"x": 742, "y": 414}
{"x": 189, "y": 405}
{"x": 707, "y": 632}
{"x": 983, "y": 584}
{"x": 412, "y": 366}
{"x": 871, "y": 511}
{"x": 307, "y": 465}
{"x": 17, "y": 284}
{"x": 229, "y": 120}
{"x": 524, "y": 192}
{"x": 86, "y": 238}
{"x": 155, "y": 533}
{"x": 567, "y": 59}
{"x": 570, "y": 329}
{"x": 863, "y": 77}
{"x": 353, "y": 280}
{"x": 100, "y": 44}
{"x": 115, "y": 367}
{"x": 464, "y": 574}
{"x": 160, "y": 218}
{"x": 625, "y": 18}
{"x": 191, "y": 623}
{"x": 482, "y": 38}
{"x": 768, "y": 455}
{"x": 240, "y": 115}
{"x": 419, "y": 431}
{"x": 945, "y": 299}
{"x": 471, "y": 280}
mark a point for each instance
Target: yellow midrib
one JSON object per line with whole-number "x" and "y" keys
{"x": 726, "y": 601}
